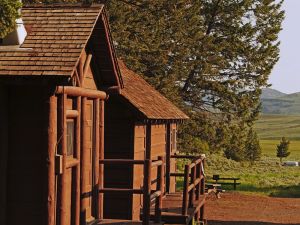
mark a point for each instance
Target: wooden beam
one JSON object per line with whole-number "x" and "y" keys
{"x": 86, "y": 65}
{"x": 77, "y": 78}
{"x": 52, "y": 139}
{"x": 77, "y": 91}
{"x": 72, "y": 113}
{"x": 3, "y": 152}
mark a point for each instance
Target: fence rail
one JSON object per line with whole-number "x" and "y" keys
{"x": 146, "y": 191}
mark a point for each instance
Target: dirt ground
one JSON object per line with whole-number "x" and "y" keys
{"x": 241, "y": 209}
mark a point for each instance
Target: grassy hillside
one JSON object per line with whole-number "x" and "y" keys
{"x": 288, "y": 104}
{"x": 266, "y": 176}
{"x": 273, "y": 127}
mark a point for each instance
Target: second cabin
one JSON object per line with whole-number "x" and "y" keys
{"x": 139, "y": 124}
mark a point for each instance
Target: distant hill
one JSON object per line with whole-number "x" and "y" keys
{"x": 268, "y": 93}
{"x": 276, "y": 102}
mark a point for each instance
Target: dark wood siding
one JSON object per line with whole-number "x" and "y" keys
{"x": 27, "y": 172}
{"x": 3, "y": 151}
{"x": 118, "y": 145}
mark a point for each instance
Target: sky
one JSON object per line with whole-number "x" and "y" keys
{"x": 285, "y": 76}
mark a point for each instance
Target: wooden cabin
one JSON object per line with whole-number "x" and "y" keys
{"x": 52, "y": 93}
{"x": 59, "y": 89}
{"x": 140, "y": 124}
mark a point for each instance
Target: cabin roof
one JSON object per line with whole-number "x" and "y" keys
{"x": 146, "y": 99}
{"x": 56, "y": 37}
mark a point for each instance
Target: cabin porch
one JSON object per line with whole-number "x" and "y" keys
{"x": 159, "y": 206}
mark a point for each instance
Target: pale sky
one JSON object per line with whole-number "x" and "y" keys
{"x": 286, "y": 74}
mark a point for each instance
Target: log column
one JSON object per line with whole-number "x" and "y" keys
{"x": 52, "y": 134}
{"x": 62, "y": 126}
{"x": 78, "y": 155}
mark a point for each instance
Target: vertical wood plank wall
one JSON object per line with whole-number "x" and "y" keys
{"x": 158, "y": 148}
{"x": 27, "y": 167}
{"x": 118, "y": 145}
{"x": 3, "y": 151}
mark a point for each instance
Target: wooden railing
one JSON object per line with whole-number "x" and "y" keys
{"x": 194, "y": 182}
{"x": 146, "y": 191}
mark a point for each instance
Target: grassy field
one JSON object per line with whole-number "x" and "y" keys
{"x": 273, "y": 127}
{"x": 266, "y": 176}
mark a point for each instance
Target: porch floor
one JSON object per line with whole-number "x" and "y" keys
{"x": 172, "y": 209}
{"x": 123, "y": 222}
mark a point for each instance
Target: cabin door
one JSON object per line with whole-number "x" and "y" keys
{"x": 89, "y": 162}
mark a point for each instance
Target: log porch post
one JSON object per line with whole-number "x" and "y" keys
{"x": 52, "y": 135}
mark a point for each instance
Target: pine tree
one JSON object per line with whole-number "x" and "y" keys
{"x": 8, "y": 15}
{"x": 252, "y": 147}
{"x": 207, "y": 56}
{"x": 282, "y": 149}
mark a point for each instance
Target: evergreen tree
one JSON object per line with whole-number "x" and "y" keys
{"x": 282, "y": 149}
{"x": 8, "y": 15}
{"x": 210, "y": 56}
{"x": 252, "y": 147}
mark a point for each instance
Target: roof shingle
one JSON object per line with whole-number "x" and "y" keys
{"x": 55, "y": 39}
{"x": 146, "y": 99}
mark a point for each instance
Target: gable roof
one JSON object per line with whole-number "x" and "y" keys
{"x": 146, "y": 99}
{"x": 56, "y": 37}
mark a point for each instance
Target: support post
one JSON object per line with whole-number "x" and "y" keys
{"x": 158, "y": 200}
{"x": 168, "y": 158}
{"x": 52, "y": 135}
{"x": 185, "y": 202}
{"x": 97, "y": 151}
{"x": 147, "y": 192}
{"x": 62, "y": 126}
{"x": 198, "y": 175}
{"x": 192, "y": 192}
{"x": 101, "y": 157}
{"x": 83, "y": 156}
{"x": 78, "y": 156}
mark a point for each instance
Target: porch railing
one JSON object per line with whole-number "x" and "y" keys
{"x": 149, "y": 195}
{"x": 194, "y": 183}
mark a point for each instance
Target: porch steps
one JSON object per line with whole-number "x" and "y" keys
{"x": 172, "y": 209}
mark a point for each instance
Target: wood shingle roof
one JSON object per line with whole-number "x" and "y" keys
{"x": 146, "y": 99}
{"x": 55, "y": 40}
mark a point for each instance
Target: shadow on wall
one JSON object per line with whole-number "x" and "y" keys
{"x": 215, "y": 222}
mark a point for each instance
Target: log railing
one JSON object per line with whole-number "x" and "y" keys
{"x": 146, "y": 191}
{"x": 194, "y": 182}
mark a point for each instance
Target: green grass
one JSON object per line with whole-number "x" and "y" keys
{"x": 273, "y": 127}
{"x": 266, "y": 176}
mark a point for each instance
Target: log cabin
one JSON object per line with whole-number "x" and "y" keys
{"x": 53, "y": 87}
{"x": 59, "y": 88}
{"x": 140, "y": 124}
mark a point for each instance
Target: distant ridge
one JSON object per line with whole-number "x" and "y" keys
{"x": 276, "y": 102}
{"x": 268, "y": 93}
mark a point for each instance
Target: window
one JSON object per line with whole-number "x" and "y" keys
{"x": 70, "y": 137}
{"x": 1, "y": 41}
